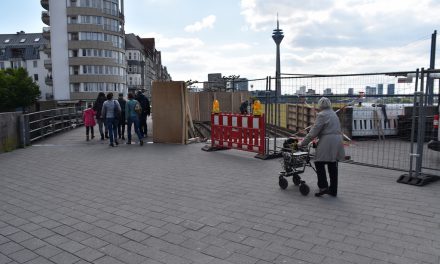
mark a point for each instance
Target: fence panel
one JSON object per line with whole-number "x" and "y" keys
{"x": 374, "y": 110}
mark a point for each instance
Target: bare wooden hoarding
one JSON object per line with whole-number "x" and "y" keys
{"x": 170, "y": 101}
{"x": 201, "y": 103}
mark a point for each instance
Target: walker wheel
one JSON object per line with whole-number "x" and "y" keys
{"x": 304, "y": 189}
{"x": 283, "y": 183}
{"x": 296, "y": 179}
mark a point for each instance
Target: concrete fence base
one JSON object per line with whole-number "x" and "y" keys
{"x": 9, "y": 132}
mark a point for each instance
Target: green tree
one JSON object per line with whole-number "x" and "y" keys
{"x": 17, "y": 89}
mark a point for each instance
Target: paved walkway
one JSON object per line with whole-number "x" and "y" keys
{"x": 69, "y": 201}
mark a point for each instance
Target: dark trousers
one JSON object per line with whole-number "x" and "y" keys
{"x": 121, "y": 126}
{"x": 89, "y": 128}
{"x": 322, "y": 177}
{"x": 133, "y": 120}
{"x": 143, "y": 125}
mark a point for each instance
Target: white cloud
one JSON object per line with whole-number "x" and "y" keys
{"x": 235, "y": 46}
{"x": 207, "y": 22}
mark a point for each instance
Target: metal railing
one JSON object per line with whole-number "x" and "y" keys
{"x": 43, "y": 124}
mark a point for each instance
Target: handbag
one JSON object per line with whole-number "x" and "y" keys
{"x": 138, "y": 108}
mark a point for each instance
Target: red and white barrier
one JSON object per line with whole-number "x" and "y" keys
{"x": 236, "y": 131}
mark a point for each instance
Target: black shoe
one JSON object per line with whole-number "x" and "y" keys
{"x": 321, "y": 192}
{"x": 123, "y": 138}
{"x": 128, "y": 142}
{"x": 141, "y": 142}
{"x": 106, "y": 135}
{"x": 102, "y": 137}
{"x": 116, "y": 142}
{"x": 87, "y": 138}
{"x": 334, "y": 194}
{"x": 111, "y": 145}
{"x": 93, "y": 136}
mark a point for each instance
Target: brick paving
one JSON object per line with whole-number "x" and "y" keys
{"x": 70, "y": 201}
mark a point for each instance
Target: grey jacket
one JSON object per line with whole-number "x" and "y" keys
{"x": 328, "y": 130}
{"x": 109, "y": 107}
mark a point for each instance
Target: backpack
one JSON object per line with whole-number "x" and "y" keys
{"x": 138, "y": 108}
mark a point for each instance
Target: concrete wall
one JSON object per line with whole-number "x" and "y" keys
{"x": 9, "y": 131}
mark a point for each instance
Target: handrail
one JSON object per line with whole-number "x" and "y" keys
{"x": 39, "y": 125}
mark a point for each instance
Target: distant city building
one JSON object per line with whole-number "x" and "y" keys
{"x": 328, "y": 91}
{"x": 28, "y": 51}
{"x": 301, "y": 91}
{"x": 311, "y": 92}
{"x": 370, "y": 90}
{"x": 143, "y": 64}
{"x": 391, "y": 88}
{"x": 380, "y": 89}
{"x": 241, "y": 84}
{"x": 215, "y": 82}
{"x": 350, "y": 91}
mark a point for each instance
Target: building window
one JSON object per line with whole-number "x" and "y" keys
{"x": 6, "y": 41}
{"x": 35, "y": 64}
{"x": 2, "y": 52}
{"x": 129, "y": 55}
{"x": 37, "y": 40}
{"x": 36, "y": 77}
{"x": 22, "y": 40}
{"x": 2, "y": 65}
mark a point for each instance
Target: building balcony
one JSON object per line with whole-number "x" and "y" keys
{"x": 48, "y": 80}
{"x": 46, "y": 49}
{"x": 45, "y": 17}
{"x": 46, "y": 33}
{"x": 45, "y": 4}
{"x": 48, "y": 64}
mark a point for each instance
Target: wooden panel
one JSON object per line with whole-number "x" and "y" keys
{"x": 169, "y": 108}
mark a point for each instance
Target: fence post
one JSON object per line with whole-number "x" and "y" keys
{"x": 24, "y": 130}
{"x": 413, "y": 125}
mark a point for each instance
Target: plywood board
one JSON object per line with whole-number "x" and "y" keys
{"x": 169, "y": 108}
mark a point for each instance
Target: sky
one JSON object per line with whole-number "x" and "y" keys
{"x": 233, "y": 37}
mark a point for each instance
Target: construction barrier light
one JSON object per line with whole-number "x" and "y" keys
{"x": 216, "y": 107}
{"x": 257, "y": 108}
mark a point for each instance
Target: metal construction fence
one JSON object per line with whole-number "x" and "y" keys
{"x": 375, "y": 110}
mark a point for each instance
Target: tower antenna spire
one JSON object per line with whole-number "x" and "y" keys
{"x": 278, "y": 22}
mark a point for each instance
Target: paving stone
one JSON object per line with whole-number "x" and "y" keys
{"x": 94, "y": 242}
{"x": 71, "y": 246}
{"x": 217, "y": 252}
{"x": 23, "y": 256}
{"x": 48, "y": 251}
{"x": 10, "y": 247}
{"x": 89, "y": 254}
{"x": 64, "y": 258}
{"x": 136, "y": 235}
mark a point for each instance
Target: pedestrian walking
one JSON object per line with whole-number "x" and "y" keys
{"x": 97, "y": 107}
{"x": 330, "y": 148}
{"x": 89, "y": 121}
{"x": 121, "y": 123}
{"x": 133, "y": 110}
{"x": 111, "y": 111}
{"x": 145, "y": 104}
{"x": 244, "y": 107}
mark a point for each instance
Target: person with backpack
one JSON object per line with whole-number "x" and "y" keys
{"x": 97, "y": 107}
{"x": 111, "y": 112}
{"x": 121, "y": 123}
{"x": 133, "y": 110}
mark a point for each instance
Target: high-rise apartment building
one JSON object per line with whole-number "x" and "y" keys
{"x": 391, "y": 88}
{"x": 87, "y": 47}
{"x": 380, "y": 89}
{"x": 370, "y": 90}
{"x": 27, "y": 51}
